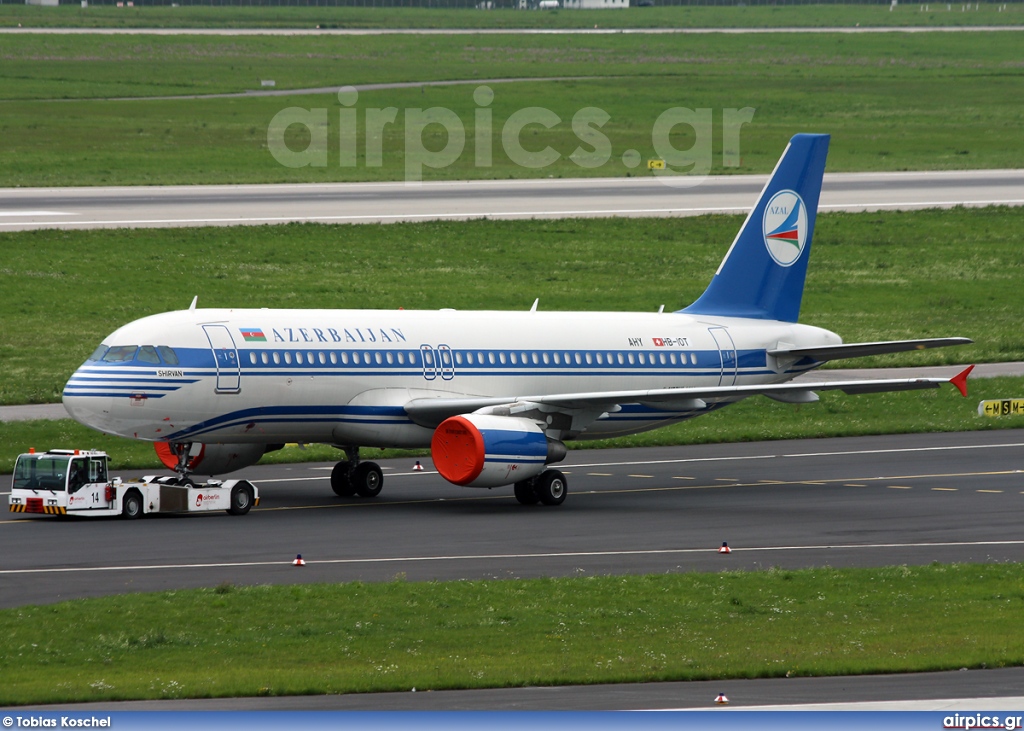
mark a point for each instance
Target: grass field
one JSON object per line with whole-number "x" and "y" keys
{"x": 809, "y": 16}
{"x": 872, "y": 277}
{"x": 891, "y": 102}
{"x": 316, "y": 639}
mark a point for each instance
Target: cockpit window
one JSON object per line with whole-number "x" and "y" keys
{"x": 169, "y": 356}
{"x": 120, "y": 354}
{"x": 98, "y": 353}
{"x": 147, "y": 354}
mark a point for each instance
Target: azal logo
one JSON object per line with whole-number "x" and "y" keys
{"x": 785, "y": 227}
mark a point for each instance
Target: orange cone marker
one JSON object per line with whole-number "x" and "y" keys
{"x": 725, "y": 548}
{"x": 298, "y": 561}
{"x": 722, "y": 700}
{"x": 417, "y": 467}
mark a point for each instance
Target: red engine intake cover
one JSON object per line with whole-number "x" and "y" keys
{"x": 457, "y": 449}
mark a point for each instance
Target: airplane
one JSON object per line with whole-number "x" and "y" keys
{"x": 495, "y": 395}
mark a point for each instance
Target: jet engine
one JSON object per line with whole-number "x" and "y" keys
{"x": 480, "y": 450}
{"x": 213, "y": 459}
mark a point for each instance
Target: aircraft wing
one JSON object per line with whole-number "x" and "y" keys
{"x": 431, "y": 412}
{"x": 859, "y": 350}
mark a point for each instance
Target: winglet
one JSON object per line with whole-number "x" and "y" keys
{"x": 960, "y": 380}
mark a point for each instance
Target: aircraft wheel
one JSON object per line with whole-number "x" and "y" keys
{"x": 526, "y": 493}
{"x": 552, "y": 487}
{"x": 367, "y": 479}
{"x": 340, "y": 482}
{"x": 131, "y": 508}
{"x": 241, "y": 500}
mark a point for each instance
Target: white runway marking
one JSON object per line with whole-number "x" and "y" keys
{"x": 34, "y": 213}
{"x": 506, "y": 556}
{"x": 693, "y": 460}
{"x": 799, "y": 455}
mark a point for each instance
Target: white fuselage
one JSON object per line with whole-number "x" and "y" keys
{"x": 343, "y": 376}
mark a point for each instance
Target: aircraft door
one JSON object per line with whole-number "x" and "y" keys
{"x": 429, "y": 362}
{"x": 444, "y": 354}
{"x": 727, "y": 355}
{"x": 229, "y": 374}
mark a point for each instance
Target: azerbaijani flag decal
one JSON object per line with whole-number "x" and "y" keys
{"x": 253, "y": 334}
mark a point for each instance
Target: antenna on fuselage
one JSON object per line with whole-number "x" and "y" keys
{"x": 193, "y": 305}
{"x": 661, "y": 309}
{"x": 535, "y": 303}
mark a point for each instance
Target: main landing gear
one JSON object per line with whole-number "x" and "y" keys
{"x": 549, "y": 487}
{"x": 352, "y": 477}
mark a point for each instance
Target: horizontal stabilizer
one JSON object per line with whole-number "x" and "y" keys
{"x": 859, "y": 350}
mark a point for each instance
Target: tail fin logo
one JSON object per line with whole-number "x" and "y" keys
{"x": 785, "y": 227}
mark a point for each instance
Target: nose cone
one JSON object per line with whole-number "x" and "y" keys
{"x": 88, "y": 404}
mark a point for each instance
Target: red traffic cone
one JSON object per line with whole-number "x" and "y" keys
{"x": 725, "y": 548}
{"x": 417, "y": 467}
{"x": 722, "y": 700}
{"x": 298, "y": 561}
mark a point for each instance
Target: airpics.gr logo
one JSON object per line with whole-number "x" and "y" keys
{"x": 785, "y": 227}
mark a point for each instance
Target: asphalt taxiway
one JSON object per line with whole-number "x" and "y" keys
{"x": 866, "y": 501}
{"x": 662, "y": 196}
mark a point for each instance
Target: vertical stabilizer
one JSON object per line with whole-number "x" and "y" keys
{"x": 763, "y": 274}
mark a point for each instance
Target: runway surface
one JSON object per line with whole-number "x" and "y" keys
{"x": 868, "y": 501}
{"x": 200, "y": 205}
